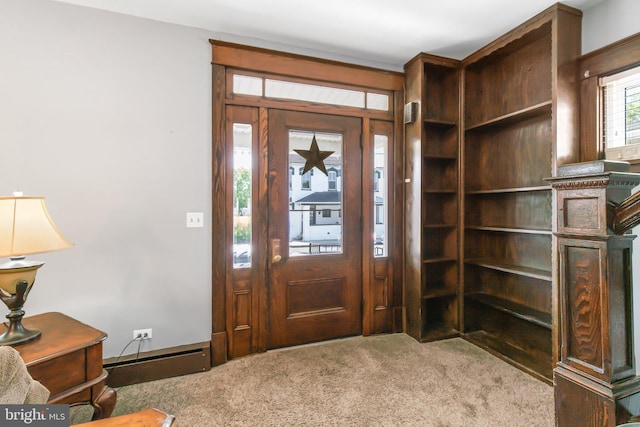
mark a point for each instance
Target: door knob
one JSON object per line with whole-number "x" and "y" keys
{"x": 277, "y": 258}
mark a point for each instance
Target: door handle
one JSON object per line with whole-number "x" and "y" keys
{"x": 275, "y": 251}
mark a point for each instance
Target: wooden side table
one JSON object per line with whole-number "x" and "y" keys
{"x": 146, "y": 418}
{"x": 67, "y": 359}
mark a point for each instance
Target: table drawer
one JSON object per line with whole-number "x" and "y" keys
{"x": 62, "y": 373}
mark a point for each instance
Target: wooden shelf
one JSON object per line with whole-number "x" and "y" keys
{"x": 538, "y": 364}
{"x": 441, "y": 191}
{"x": 438, "y": 291}
{"x": 439, "y": 260}
{"x": 511, "y": 269}
{"x": 438, "y": 332}
{"x": 516, "y": 116}
{"x": 440, "y": 123}
{"x": 512, "y": 90}
{"x": 494, "y": 116}
{"x": 440, "y": 157}
{"x": 518, "y": 310}
{"x": 510, "y": 230}
{"x": 509, "y": 190}
{"x": 439, "y": 226}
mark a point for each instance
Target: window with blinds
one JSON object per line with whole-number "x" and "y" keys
{"x": 621, "y": 115}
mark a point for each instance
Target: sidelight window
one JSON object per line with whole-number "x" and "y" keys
{"x": 380, "y": 164}
{"x": 242, "y": 137}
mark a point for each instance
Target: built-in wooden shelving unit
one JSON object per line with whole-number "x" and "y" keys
{"x": 432, "y": 161}
{"x": 485, "y": 208}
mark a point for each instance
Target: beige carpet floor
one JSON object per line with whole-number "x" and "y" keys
{"x": 385, "y": 380}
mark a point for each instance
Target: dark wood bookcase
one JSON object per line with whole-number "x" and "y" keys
{"x": 520, "y": 124}
{"x": 493, "y": 127}
{"x": 432, "y": 165}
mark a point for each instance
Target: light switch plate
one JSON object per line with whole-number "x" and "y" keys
{"x": 195, "y": 219}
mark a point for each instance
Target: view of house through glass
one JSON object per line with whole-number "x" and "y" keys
{"x": 242, "y": 136}
{"x": 315, "y": 199}
{"x": 380, "y": 161}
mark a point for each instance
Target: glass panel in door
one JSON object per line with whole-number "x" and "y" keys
{"x": 315, "y": 198}
{"x": 242, "y": 137}
{"x": 380, "y": 160}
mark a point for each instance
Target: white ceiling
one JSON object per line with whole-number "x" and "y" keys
{"x": 384, "y": 32}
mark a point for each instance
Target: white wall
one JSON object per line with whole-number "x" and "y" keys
{"x": 109, "y": 118}
{"x": 608, "y": 22}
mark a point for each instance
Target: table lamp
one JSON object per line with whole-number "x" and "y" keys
{"x": 25, "y": 228}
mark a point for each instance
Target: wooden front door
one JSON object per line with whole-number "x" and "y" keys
{"x": 315, "y": 238}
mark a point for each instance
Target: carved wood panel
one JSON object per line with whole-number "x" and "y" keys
{"x": 598, "y": 310}
{"x": 328, "y": 297}
{"x": 582, "y": 211}
{"x": 596, "y": 410}
{"x": 583, "y": 315}
{"x": 242, "y": 310}
{"x": 621, "y": 311}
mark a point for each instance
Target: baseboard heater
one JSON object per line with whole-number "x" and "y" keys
{"x": 158, "y": 364}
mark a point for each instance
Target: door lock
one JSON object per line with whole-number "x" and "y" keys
{"x": 275, "y": 251}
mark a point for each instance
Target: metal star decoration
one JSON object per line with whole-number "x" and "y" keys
{"x": 314, "y": 157}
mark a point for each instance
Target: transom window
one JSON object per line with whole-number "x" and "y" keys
{"x": 283, "y": 89}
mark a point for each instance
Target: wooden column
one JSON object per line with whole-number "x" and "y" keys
{"x": 595, "y": 382}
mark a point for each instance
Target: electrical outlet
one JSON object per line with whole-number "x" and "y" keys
{"x": 144, "y": 334}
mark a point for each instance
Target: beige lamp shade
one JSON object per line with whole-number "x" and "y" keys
{"x": 26, "y": 228}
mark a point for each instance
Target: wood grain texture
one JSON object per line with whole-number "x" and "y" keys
{"x": 326, "y": 320}
{"x": 242, "y": 284}
{"x": 145, "y": 418}
{"x": 287, "y": 64}
{"x": 627, "y": 214}
{"x": 229, "y": 58}
{"x": 432, "y": 167}
{"x": 67, "y": 359}
{"x": 595, "y": 377}
{"x": 592, "y": 409}
{"x": 584, "y": 306}
{"x": 218, "y": 218}
{"x": 510, "y": 81}
{"x": 520, "y": 119}
{"x": 412, "y": 181}
{"x": 158, "y": 364}
{"x": 378, "y": 277}
{"x": 607, "y": 60}
{"x": 397, "y": 200}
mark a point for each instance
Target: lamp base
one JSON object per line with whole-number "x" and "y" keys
{"x": 16, "y": 333}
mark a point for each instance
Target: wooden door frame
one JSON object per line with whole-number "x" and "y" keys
{"x": 293, "y": 320}
{"x": 383, "y": 310}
